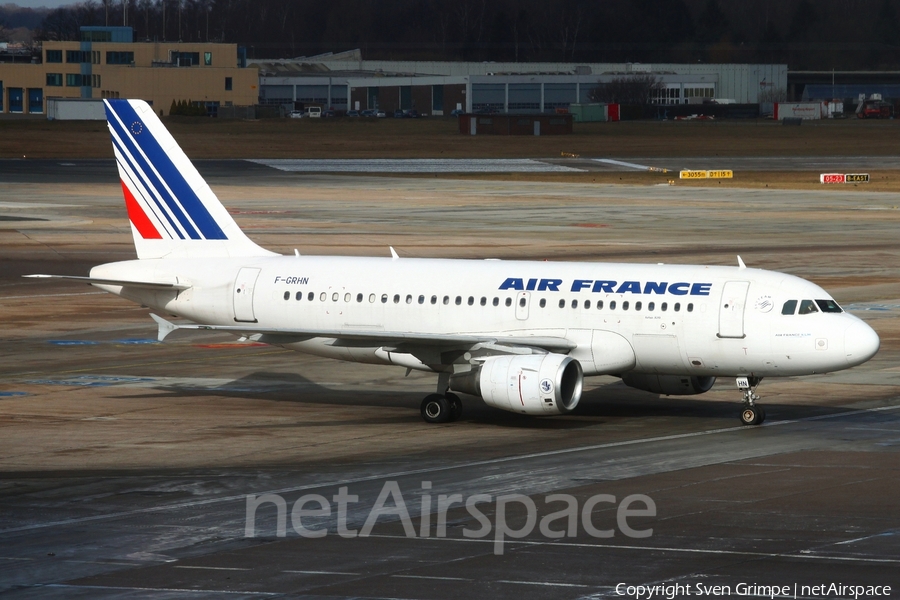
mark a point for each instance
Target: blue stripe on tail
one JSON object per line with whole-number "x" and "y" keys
{"x": 182, "y": 191}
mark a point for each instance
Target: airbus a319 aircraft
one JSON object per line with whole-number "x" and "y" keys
{"x": 520, "y": 335}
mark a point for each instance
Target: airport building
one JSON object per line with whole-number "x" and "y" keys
{"x": 346, "y": 82}
{"x": 107, "y": 63}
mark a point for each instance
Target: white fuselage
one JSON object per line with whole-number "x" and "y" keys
{"x": 642, "y": 318}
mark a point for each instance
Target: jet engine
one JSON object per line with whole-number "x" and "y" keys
{"x": 670, "y": 385}
{"x": 536, "y": 384}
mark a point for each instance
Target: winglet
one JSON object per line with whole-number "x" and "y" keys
{"x": 394, "y": 255}
{"x": 741, "y": 264}
{"x": 165, "y": 327}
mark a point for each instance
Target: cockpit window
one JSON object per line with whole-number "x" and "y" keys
{"x": 789, "y": 307}
{"x": 807, "y": 307}
{"x": 829, "y": 306}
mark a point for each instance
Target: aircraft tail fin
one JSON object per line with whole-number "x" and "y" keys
{"x": 173, "y": 212}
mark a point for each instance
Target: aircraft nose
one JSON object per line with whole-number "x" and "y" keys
{"x": 860, "y": 343}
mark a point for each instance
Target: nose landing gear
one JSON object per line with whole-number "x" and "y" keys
{"x": 752, "y": 413}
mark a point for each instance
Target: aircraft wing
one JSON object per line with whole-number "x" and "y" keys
{"x": 152, "y": 285}
{"x": 376, "y": 337}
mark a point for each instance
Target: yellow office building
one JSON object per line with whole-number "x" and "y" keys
{"x": 106, "y": 63}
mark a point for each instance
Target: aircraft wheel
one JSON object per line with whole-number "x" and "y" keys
{"x": 436, "y": 409}
{"x": 752, "y": 415}
{"x": 456, "y": 407}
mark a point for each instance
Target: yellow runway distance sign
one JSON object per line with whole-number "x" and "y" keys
{"x": 720, "y": 174}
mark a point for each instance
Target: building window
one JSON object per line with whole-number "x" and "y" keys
{"x": 95, "y": 81}
{"x": 78, "y": 56}
{"x": 96, "y": 36}
{"x": 185, "y": 59}
{"x": 207, "y": 59}
{"x": 54, "y": 79}
{"x": 120, "y": 58}
{"x": 54, "y": 56}
{"x": 228, "y": 84}
{"x": 77, "y": 80}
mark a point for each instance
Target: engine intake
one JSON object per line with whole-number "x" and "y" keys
{"x": 536, "y": 384}
{"x": 670, "y": 385}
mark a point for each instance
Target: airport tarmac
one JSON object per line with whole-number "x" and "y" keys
{"x": 126, "y": 465}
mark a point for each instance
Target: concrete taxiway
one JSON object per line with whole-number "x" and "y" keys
{"x": 126, "y": 465}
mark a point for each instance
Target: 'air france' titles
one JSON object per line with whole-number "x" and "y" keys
{"x": 679, "y": 288}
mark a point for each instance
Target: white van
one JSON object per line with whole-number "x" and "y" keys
{"x": 314, "y": 112}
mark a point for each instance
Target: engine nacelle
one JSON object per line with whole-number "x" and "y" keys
{"x": 535, "y": 384}
{"x": 670, "y": 385}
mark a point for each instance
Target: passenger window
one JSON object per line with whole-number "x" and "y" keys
{"x": 434, "y": 299}
{"x": 446, "y": 299}
{"x": 625, "y": 305}
{"x": 587, "y": 304}
{"x": 677, "y": 307}
{"x": 522, "y": 302}
{"x": 599, "y": 304}
{"x": 807, "y": 307}
{"x": 359, "y": 297}
{"x": 651, "y": 306}
{"x": 542, "y": 303}
{"x": 690, "y": 307}
{"x": 483, "y": 301}
{"x": 323, "y": 296}
{"x": 287, "y": 295}
{"x": 612, "y": 305}
{"x": 409, "y": 298}
{"x": 347, "y": 297}
{"x": 311, "y": 296}
{"x": 664, "y": 306}
{"x": 562, "y": 303}
{"x": 829, "y": 306}
{"x": 299, "y": 296}
{"x": 384, "y": 298}
{"x": 496, "y": 301}
{"x": 789, "y": 307}
{"x": 458, "y": 300}
{"x": 637, "y": 306}
{"x": 372, "y": 298}
{"x": 509, "y": 301}
{"x": 574, "y": 303}
{"x": 335, "y": 296}
{"x": 471, "y": 300}
{"x": 396, "y": 298}
{"x": 421, "y": 299}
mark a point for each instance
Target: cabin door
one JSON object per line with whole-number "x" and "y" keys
{"x": 731, "y": 309}
{"x": 243, "y": 295}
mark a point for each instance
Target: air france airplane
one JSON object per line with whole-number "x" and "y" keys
{"x": 520, "y": 335}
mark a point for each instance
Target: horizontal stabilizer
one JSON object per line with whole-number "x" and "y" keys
{"x": 150, "y": 285}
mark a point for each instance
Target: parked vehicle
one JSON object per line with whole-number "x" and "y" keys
{"x": 328, "y": 113}
{"x": 398, "y": 114}
{"x": 369, "y": 112}
{"x": 314, "y": 112}
{"x": 380, "y": 114}
{"x": 296, "y": 114}
{"x": 352, "y": 113}
{"x": 456, "y": 112}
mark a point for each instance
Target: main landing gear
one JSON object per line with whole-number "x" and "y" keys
{"x": 752, "y": 413}
{"x": 444, "y": 406}
{"x": 441, "y": 408}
